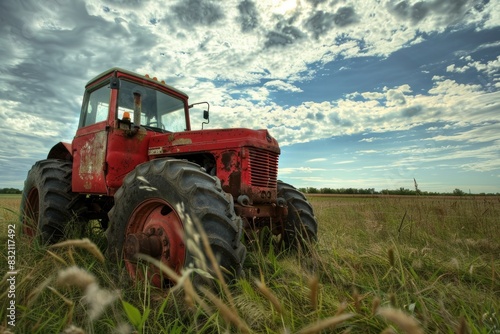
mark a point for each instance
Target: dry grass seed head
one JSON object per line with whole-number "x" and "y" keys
{"x": 82, "y": 243}
{"x": 392, "y": 299}
{"x": 75, "y": 276}
{"x": 98, "y": 300}
{"x": 357, "y": 300}
{"x": 375, "y": 305}
{"x": 269, "y": 295}
{"x": 314, "y": 289}
{"x": 4, "y": 330}
{"x": 407, "y": 323}
{"x": 328, "y": 323}
{"x": 342, "y": 308}
{"x": 57, "y": 257}
{"x": 390, "y": 254}
{"x": 462, "y": 327}
{"x": 72, "y": 329}
{"x": 123, "y": 328}
{"x": 227, "y": 313}
{"x": 388, "y": 330}
{"x": 36, "y": 291}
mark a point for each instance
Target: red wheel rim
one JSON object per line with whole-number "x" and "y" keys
{"x": 155, "y": 223}
{"x": 31, "y": 213}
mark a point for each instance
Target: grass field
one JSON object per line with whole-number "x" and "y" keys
{"x": 382, "y": 265}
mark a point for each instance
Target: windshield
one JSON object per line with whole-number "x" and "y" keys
{"x": 159, "y": 110}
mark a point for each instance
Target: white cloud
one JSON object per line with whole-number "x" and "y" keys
{"x": 372, "y": 95}
{"x": 317, "y": 160}
{"x": 448, "y": 101}
{"x": 223, "y": 54}
{"x": 452, "y": 68}
{"x": 344, "y": 162}
{"x": 369, "y": 140}
{"x": 283, "y": 86}
{"x": 294, "y": 170}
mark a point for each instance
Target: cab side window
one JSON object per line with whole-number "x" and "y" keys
{"x": 97, "y": 107}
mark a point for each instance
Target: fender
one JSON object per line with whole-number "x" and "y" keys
{"x": 61, "y": 151}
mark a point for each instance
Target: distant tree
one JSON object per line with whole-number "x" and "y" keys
{"x": 405, "y": 191}
{"x": 350, "y": 191}
{"x": 367, "y": 191}
{"x": 327, "y": 191}
{"x": 458, "y": 192}
{"x": 312, "y": 190}
{"x": 10, "y": 191}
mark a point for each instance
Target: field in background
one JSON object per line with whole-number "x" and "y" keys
{"x": 394, "y": 264}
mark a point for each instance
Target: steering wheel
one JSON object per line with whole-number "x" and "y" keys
{"x": 156, "y": 124}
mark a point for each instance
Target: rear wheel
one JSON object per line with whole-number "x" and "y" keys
{"x": 157, "y": 211}
{"x": 45, "y": 204}
{"x": 300, "y": 227}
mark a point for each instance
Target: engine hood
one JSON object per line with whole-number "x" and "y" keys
{"x": 208, "y": 140}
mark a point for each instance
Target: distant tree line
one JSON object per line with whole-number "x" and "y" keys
{"x": 400, "y": 191}
{"x": 348, "y": 191}
{"x": 10, "y": 191}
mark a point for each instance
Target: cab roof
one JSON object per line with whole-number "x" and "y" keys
{"x": 119, "y": 70}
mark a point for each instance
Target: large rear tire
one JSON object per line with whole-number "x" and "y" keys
{"x": 158, "y": 211}
{"x": 45, "y": 204}
{"x": 301, "y": 226}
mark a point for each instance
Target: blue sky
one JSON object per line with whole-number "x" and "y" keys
{"x": 362, "y": 94}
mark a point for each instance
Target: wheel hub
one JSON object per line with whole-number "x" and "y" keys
{"x": 154, "y": 229}
{"x": 143, "y": 243}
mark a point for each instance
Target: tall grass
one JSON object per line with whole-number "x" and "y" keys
{"x": 382, "y": 265}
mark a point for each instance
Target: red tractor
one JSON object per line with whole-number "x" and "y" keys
{"x": 136, "y": 166}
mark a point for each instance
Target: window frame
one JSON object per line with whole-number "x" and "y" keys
{"x": 86, "y": 104}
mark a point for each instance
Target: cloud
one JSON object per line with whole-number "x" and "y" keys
{"x": 308, "y": 170}
{"x": 320, "y": 23}
{"x": 411, "y": 111}
{"x": 345, "y": 16}
{"x": 197, "y": 12}
{"x": 249, "y": 16}
{"x": 452, "y": 68}
{"x": 239, "y": 56}
{"x": 447, "y": 101}
{"x": 283, "y": 86}
{"x": 441, "y": 11}
{"x": 317, "y": 160}
{"x": 369, "y": 140}
{"x": 479, "y": 133}
{"x": 344, "y": 162}
{"x": 285, "y": 36}
{"x": 490, "y": 68}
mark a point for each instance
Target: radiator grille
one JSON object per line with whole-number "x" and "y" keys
{"x": 263, "y": 168}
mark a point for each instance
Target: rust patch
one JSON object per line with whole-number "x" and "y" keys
{"x": 230, "y": 161}
{"x": 92, "y": 158}
{"x": 182, "y": 141}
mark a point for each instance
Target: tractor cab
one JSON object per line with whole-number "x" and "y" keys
{"x": 120, "y": 112}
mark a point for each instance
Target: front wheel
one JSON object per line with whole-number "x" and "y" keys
{"x": 158, "y": 211}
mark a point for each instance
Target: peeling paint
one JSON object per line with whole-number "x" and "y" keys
{"x": 92, "y": 158}
{"x": 182, "y": 141}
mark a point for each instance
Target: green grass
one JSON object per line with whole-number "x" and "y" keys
{"x": 382, "y": 264}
